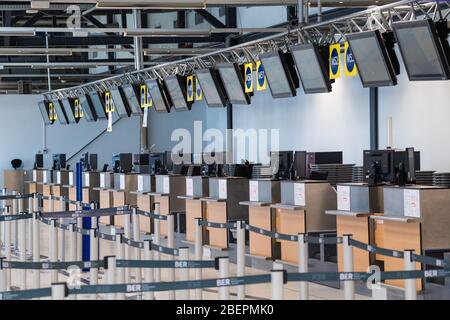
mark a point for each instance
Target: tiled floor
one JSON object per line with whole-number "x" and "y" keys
{"x": 260, "y": 291}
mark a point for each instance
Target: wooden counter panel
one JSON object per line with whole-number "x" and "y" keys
{"x": 290, "y": 222}
{"x": 194, "y": 209}
{"x": 105, "y": 202}
{"x": 73, "y": 197}
{"x": 217, "y": 212}
{"x": 399, "y": 236}
{"x": 144, "y": 203}
{"x": 119, "y": 200}
{"x": 46, "y": 192}
{"x": 30, "y": 187}
{"x": 164, "y": 210}
{"x": 359, "y": 228}
{"x": 260, "y": 217}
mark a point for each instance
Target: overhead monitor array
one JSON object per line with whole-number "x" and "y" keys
{"x": 422, "y": 44}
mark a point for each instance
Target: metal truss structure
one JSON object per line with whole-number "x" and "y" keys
{"x": 331, "y": 31}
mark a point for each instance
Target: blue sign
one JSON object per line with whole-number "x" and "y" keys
{"x": 334, "y": 61}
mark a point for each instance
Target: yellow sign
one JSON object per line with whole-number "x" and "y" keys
{"x": 335, "y": 61}
{"x": 149, "y": 100}
{"x": 78, "y": 111}
{"x": 107, "y": 102}
{"x": 51, "y": 112}
{"x": 143, "y": 91}
{"x": 349, "y": 62}
{"x": 261, "y": 80}
{"x": 248, "y": 77}
{"x": 198, "y": 90}
{"x": 190, "y": 88}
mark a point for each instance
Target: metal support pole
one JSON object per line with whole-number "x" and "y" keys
{"x": 303, "y": 265}
{"x": 349, "y": 285}
{"x": 198, "y": 255}
{"x": 62, "y": 247}
{"x": 157, "y": 241}
{"x": 224, "y": 272}
{"x": 2, "y": 276}
{"x": 120, "y": 254}
{"x": 72, "y": 250}
{"x": 127, "y": 234}
{"x": 301, "y": 11}
{"x": 79, "y": 245}
{"x": 53, "y": 249}
{"x": 137, "y": 237}
{"x": 29, "y": 227}
{"x": 22, "y": 233}
{"x": 59, "y": 291}
{"x": 170, "y": 223}
{"x": 319, "y": 11}
{"x": 110, "y": 274}
{"x": 277, "y": 280}
{"x": 36, "y": 242}
{"x": 15, "y": 210}
{"x": 183, "y": 254}
{"x": 410, "y": 284}
{"x": 93, "y": 257}
{"x": 8, "y": 250}
{"x": 240, "y": 257}
{"x": 148, "y": 272}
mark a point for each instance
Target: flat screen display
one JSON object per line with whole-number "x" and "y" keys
{"x": 119, "y": 103}
{"x": 61, "y": 114}
{"x": 160, "y": 101}
{"x": 233, "y": 82}
{"x": 311, "y": 68}
{"x": 374, "y": 66}
{"x": 278, "y": 76}
{"x": 68, "y": 109}
{"x": 88, "y": 108}
{"x": 98, "y": 104}
{"x": 177, "y": 92}
{"x": 212, "y": 88}
{"x": 421, "y": 50}
{"x": 133, "y": 102}
{"x": 43, "y": 108}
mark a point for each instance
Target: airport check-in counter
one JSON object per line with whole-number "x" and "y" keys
{"x": 356, "y": 203}
{"x": 415, "y": 217}
{"x": 223, "y": 206}
{"x": 302, "y": 210}
{"x": 145, "y": 185}
{"x": 105, "y": 191}
{"x": 262, "y": 194}
{"x": 45, "y": 187}
{"x": 91, "y": 182}
{"x": 168, "y": 188}
{"x": 197, "y": 187}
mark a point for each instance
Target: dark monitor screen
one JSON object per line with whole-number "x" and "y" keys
{"x": 61, "y": 114}
{"x": 372, "y": 60}
{"x": 160, "y": 101}
{"x": 88, "y": 108}
{"x": 281, "y": 162}
{"x": 282, "y": 81}
{"x": 130, "y": 93}
{"x": 177, "y": 91}
{"x": 383, "y": 162}
{"x": 300, "y": 164}
{"x": 98, "y": 104}
{"x": 119, "y": 104}
{"x": 421, "y": 50}
{"x": 311, "y": 68}
{"x": 68, "y": 109}
{"x": 234, "y": 83}
{"x": 43, "y": 108}
{"x": 212, "y": 87}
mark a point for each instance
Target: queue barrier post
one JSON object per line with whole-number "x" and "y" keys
{"x": 36, "y": 241}
{"x": 62, "y": 247}
{"x": 72, "y": 254}
{"x": 137, "y": 237}
{"x": 157, "y": 240}
{"x": 2, "y": 276}
{"x": 240, "y": 257}
{"x": 79, "y": 246}
{"x": 148, "y": 273}
{"x": 303, "y": 265}
{"x": 277, "y": 278}
{"x": 93, "y": 241}
{"x": 22, "y": 235}
{"x": 127, "y": 234}
{"x": 8, "y": 249}
{"x": 120, "y": 254}
{"x": 170, "y": 223}
{"x": 198, "y": 253}
{"x": 410, "y": 284}
{"x": 111, "y": 270}
{"x": 224, "y": 272}
{"x": 29, "y": 227}
{"x": 59, "y": 291}
{"x": 15, "y": 211}
{"x": 183, "y": 254}
{"x": 349, "y": 285}
{"x": 53, "y": 248}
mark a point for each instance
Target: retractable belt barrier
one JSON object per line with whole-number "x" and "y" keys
{"x": 88, "y": 213}
{"x": 151, "y": 215}
{"x": 217, "y": 225}
{"x": 15, "y": 196}
{"x": 26, "y": 294}
{"x": 14, "y": 217}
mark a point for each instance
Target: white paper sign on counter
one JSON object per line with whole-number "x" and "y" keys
{"x": 222, "y": 189}
{"x": 102, "y": 181}
{"x": 140, "y": 185}
{"x": 411, "y": 203}
{"x": 254, "y": 191}
{"x": 58, "y": 177}
{"x": 71, "y": 178}
{"x": 122, "y": 182}
{"x": 343, "y": 198}
{"x": 35, "y": 175}
{"x": 86, "y": 179}
{"x": 299, "y": 194}
{"x": 45, "y": 177}
{"x": 190, "y": 187}
{"x": 166, "y": 185}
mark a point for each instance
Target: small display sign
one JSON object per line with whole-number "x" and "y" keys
{"x": 166, "y": 185}
{"x": 299, "y": 194}
{"x": 343, "y": 198}
{"x": 190, "y": 88}
{"x": 411, "y": 203}
{"x": 335, "y": 61}
{"x": 222, "y": 189}
{"x": 248, "y": 77}
{"x": 261, "y": 83}
{"x": 254, "y": 191}
{"x": 349, "y": 61}
{"x": 190, "y": 187}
